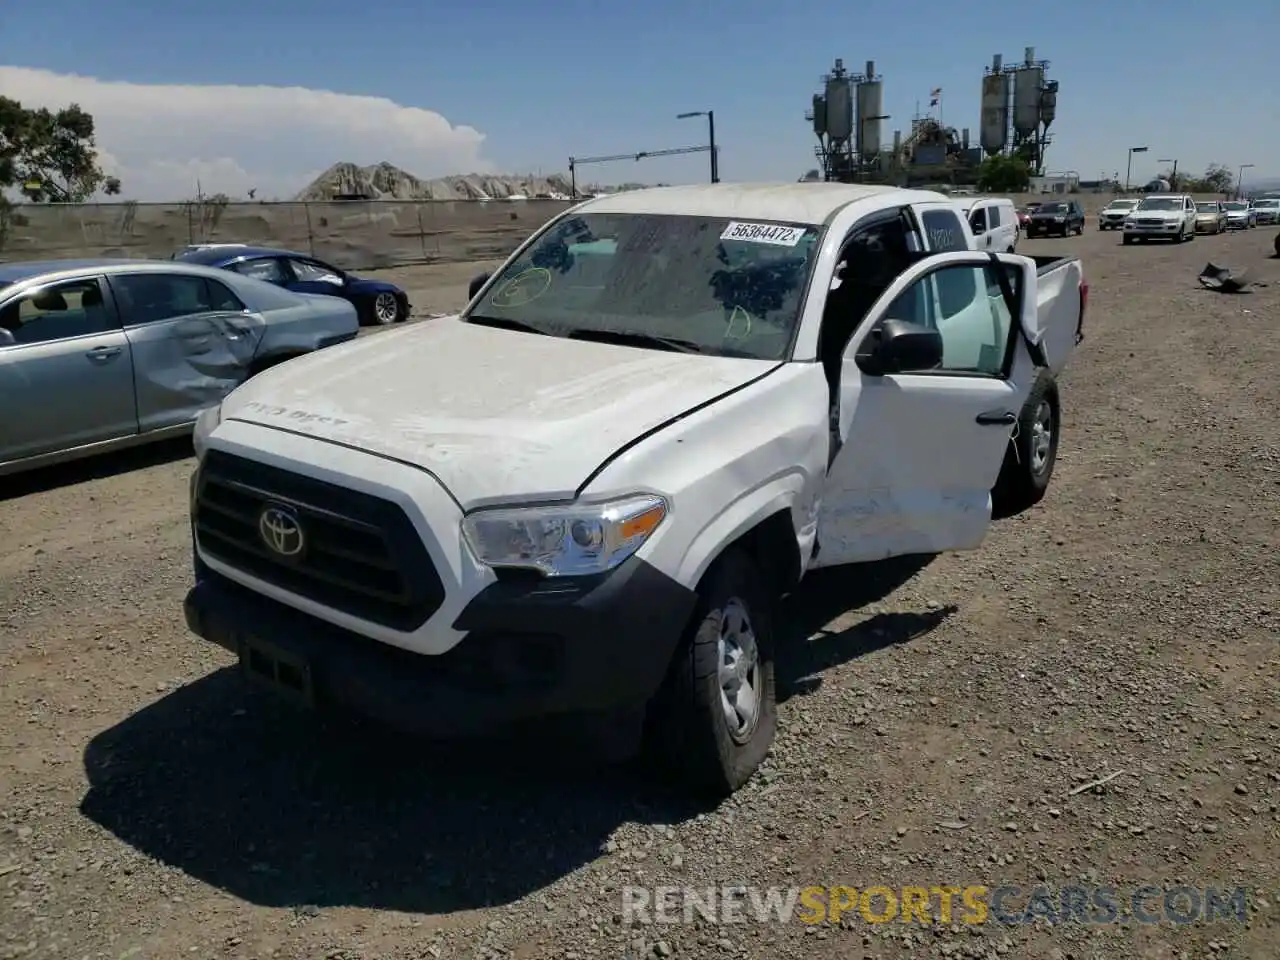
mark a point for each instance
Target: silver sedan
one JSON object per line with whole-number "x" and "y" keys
{"x": 101, "y": 354}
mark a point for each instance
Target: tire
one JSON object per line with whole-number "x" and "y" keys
{"x": 1033, "y": 452}
{"x": 1277, "y": 244}
{"x": 380, "y": 310}
{"x": 689, "y": 730}
{"x": 1126, "y": 240}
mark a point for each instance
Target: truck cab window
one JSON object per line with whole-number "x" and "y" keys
{"x": 943, "y": 229}
{"x": 872, "y": 258}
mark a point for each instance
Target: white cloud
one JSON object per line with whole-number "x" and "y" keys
{"x": 158, "y": 139}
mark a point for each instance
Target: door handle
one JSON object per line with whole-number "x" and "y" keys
{"x": 103, "y": 353}
{"x": 1005, "y": 419}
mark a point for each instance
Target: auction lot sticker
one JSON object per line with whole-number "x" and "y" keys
{"x": 771, "y": 233}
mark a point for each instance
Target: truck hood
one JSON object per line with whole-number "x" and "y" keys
{"x": 495, "y": 415}
{"x": 1157, "y": 214}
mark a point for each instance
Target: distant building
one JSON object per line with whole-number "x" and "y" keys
{"x": 1055, "y": 183}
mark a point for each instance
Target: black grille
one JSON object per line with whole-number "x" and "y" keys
{"x": 362, "y": 556}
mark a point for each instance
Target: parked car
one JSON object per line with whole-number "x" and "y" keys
{"x": 1240, "y": 215}
{"x": 376, "y": 301}
{"x": 101, "y": 354}
{"x": 1162, "y": 216}
{"x": 994, "y": 222}
{"x": 1112, "y": 215}
{"x": 1056, "y": 217}
{"x": 775, "y": 379}
{"x": 1266, "y": 211}
{"x": 1211, "y": 217}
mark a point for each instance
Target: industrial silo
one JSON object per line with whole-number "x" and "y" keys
{"x": 1027, "y": 85}
{"x": 839, "y": 104}
{"x": 994, "y": 131}
{"x": 1049, "y": 103}
{"x": 819, "y": 114}
{"x": 870, "y": 109}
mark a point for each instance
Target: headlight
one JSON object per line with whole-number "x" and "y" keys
{"x": 206, "y": 423}
{"x": 559, "y": 541}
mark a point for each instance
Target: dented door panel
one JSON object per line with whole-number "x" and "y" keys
{"x": 183, "y": 365}
{"x": 920, "y": 451}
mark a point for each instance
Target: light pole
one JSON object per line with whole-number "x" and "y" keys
{"x": 1173, "y": 177}
{"x": 711, "y": 138}
{"x": 1240, "y": 180}
{"x": 1128, "y": 171}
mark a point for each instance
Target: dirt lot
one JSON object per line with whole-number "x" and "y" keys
{"x": 940, "y": 718}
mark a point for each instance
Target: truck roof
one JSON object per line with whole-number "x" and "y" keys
{"x": 809, "y": 203}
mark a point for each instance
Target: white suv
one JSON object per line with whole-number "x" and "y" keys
{"x": 1165, "y": 216}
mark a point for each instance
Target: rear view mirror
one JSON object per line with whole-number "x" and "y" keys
{"x": 477, "y": 282}
{"x": 900, "y": 346}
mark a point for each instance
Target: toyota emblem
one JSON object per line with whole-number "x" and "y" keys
{"x": 280, "y": 530}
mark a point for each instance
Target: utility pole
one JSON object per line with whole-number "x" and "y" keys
{"x": 1128, "y": 172}
{"x": 711, "y": 138}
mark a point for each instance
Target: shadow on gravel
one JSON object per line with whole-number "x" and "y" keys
{"x": 808, "y": 648}
{"x": 289, "y": 809}
{"x": 94, "y": 468}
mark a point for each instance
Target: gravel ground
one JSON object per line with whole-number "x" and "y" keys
{"x": 940, "y": 721}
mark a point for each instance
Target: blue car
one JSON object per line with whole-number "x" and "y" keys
{"x": 376, "y": 301}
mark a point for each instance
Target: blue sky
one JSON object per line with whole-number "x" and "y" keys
{"x": 543, "y": 81}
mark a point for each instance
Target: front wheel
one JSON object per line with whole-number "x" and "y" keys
{"x": 1126, "y": 239}
{"x": 716, "y": 716}
{"x": 383, "y": 309}
{"x": 1033, "y": 450}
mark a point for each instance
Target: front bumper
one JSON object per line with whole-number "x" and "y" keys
{"x": 1208, "y": 226}
{"x": 1240, "y": 224}
{"x": 1161, "y": 230}
{"x": 533, "y": 648}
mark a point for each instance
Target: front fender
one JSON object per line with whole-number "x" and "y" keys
{"x": 369, "y": 288}
{"x": 785, "y": 491}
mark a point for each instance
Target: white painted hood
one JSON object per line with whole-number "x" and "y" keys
{"x": 496, "y": 415}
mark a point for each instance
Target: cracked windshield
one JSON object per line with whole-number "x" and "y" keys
{"x": 704, "y": 285}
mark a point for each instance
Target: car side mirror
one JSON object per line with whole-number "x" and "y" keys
{"x": 477, "y": 282}
{"x": 900, "y": 346}
{"x": 7, "y": 339}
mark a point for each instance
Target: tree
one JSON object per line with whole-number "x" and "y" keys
{"x": 1004, "y": 175}
{"x": 1218, "y": 179}
{"x": 48, "y": 155}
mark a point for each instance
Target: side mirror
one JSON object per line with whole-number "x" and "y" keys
{"x": 477, "y": 282}
{"x": 900, "y": 346}
{"x": 7, "y": 339}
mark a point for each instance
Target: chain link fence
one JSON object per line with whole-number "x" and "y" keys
{"x": 354, "y": 235}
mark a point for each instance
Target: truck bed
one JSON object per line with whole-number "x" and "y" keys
{"x": 1060, "y": 303}
{"x": 1046, "y": 263}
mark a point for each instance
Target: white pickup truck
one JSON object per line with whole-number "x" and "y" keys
{"x": 583, "y": 496}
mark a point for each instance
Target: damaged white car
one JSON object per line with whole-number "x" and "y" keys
{"x": 583, "y": 496}
{"x": 101, "y": 354}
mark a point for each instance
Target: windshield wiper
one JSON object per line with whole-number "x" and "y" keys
{"x": 633, "y": 338}
{"x": 505, "y": 323}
